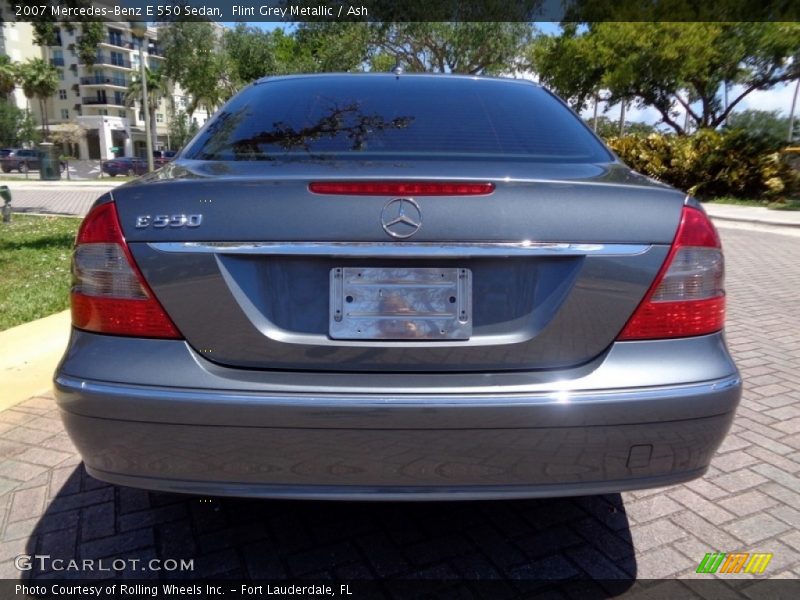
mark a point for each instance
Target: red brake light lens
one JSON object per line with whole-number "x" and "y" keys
{"x": 687, "y": 297}
{"x": 109, "y": 294}
{"x": 400, "y": 188}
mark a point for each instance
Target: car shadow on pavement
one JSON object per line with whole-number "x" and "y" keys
{"x": 516, "y": 545}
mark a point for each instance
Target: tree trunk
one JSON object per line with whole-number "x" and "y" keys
{"x": 790, "y": 136}
{"x": 153, "y": 132}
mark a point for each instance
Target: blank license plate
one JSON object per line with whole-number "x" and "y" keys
{"x": 395, "y": 303}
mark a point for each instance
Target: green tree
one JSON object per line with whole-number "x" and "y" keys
{"x": 8, "y": 76}
{"x": 475, "y": 47}
{"x": 17, "y": 127}
{"x": 10, "y": 123}
{"x": 29, "y": 132}
{"x": 763, "y": 124}
{"x": 156, "y": 89}
{"x": 195, "y": 59}
{"x": 181, "y": 128}
{"x": 608, "y": 128}
{"x": 69, "y": 136}
{"x": 252, "y": 52}
{"x": 669, "y": 65}
{"x": 326, "y": 48}
{"x": 90, "y": 34}
{"x": 39, "y": 80}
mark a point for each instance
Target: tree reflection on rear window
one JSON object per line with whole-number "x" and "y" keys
{"x": 385, "y": 116}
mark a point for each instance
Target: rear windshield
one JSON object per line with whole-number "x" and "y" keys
{"x": 375, "y": 117}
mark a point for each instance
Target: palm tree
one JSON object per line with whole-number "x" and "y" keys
{"x": 156, "y": 89}
{"x": 8, "y": 76}
{"x": 39, "y": 80}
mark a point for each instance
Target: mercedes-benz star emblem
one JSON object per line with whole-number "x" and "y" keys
{"x": 401, "y": 218}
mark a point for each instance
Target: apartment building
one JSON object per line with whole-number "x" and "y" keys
{"x": 95, "y": 95}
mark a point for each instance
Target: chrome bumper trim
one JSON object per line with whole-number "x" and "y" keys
{"x": 379, "y": 400}
{"x": 403, "y": 249}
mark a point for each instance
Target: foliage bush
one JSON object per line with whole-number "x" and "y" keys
{"x": 710, "y": 163}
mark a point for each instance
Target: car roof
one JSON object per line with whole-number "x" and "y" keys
{"x": 442, "y": 76}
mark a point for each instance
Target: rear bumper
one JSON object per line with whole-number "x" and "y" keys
{"x": 389, "y": 445}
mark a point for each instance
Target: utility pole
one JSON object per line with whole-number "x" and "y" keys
{"x": 790, "y": 136}
{"x": 139, "y": 30}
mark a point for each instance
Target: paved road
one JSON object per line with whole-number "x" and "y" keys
{"x": 60, "y": 200}
{"x": 749, "y": 501}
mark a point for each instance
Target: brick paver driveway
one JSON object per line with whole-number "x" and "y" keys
{"x": 749, "y": 500}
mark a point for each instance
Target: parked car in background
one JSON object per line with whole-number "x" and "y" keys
{"x": 397, "y": 287}
{"x": 22, "y": 160}
{"x": 162, "y": 157}
{"x": 125, "y": 165}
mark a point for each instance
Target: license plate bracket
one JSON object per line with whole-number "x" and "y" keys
{"x": 400, "y": 303}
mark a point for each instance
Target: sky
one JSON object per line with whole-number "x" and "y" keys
{"x": 779, "y": 98}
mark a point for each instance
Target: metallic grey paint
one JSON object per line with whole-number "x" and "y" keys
{"x": 215, "y": 430}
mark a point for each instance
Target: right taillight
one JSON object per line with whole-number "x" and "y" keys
{"x": 687, "y": 297}
{"x": 109, "y": 294}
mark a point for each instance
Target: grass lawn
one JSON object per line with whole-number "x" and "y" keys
{"x": 35, "y": 256}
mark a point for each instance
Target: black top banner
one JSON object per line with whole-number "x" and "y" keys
{"x": 400, "y": 10}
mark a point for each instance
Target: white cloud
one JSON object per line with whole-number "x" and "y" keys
{"x": 778, "y": 98}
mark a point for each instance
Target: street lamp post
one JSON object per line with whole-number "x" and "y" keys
{"x": 139, "y": 30}
{"x": 790, "y": 137}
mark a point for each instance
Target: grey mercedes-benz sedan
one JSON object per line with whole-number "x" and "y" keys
{"x": 397, "y": 287}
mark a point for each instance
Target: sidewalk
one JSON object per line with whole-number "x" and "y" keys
{"x": 753, "y": 214}
{"x": 35, "y": 183}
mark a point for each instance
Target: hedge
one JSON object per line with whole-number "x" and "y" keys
{"x": 710, "y": 163}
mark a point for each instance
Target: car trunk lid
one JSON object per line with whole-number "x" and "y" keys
{"x": 555, "y": 266}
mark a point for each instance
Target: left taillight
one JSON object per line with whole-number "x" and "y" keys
{"x": 109, "y": 294}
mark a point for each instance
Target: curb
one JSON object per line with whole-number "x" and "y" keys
{"x": 47, "y": 214}
{"x": 29, "y": 354}
{"x": 754, "y": 221}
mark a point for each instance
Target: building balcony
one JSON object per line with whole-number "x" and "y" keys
{"x": 111, "y": 61}
{"x": 118, "y": 42}
{"x": 94, "y": 100}
{"x": 57, "y": 61}
{"x": 110, "y": 81}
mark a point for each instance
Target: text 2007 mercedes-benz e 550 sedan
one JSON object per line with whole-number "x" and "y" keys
{"x": 396, "y": 287}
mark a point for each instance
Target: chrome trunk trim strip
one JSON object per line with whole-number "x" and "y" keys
{"x": 404, "y": 249}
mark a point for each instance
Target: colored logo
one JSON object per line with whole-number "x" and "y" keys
{"x": 736, "y": 562}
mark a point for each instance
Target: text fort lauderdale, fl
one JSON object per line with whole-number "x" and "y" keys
{"x": 207, "y": 590}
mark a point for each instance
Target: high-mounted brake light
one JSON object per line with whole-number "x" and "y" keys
{"x": 400, "y": 188}
{"x": 687, "y": 297}
{"x": 109, "y": 294}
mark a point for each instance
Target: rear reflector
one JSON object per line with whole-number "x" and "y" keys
{"x": 400, "y": 188}
{"x": 109, "y": 294}
{"x": 687, "y": 297}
